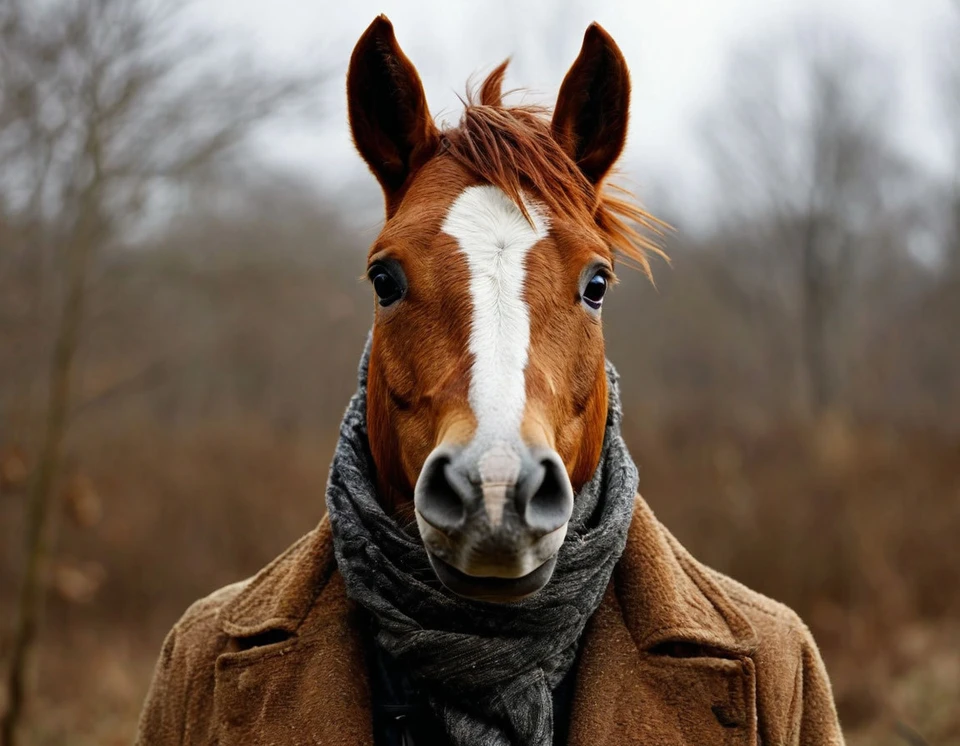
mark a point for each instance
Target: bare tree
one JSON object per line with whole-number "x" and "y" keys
{"x": 798, "y": 143}
{"x": 106, "y": 106}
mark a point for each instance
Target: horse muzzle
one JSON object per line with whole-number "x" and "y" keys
{"x": 493, "y": 518}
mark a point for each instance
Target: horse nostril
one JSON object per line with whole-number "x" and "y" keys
{"x": 549, "y": 499}
{"x": 440, "y": 496}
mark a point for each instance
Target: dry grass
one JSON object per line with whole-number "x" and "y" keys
{"x": 855, "y": 528}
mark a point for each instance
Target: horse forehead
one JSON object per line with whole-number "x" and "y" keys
{"x": 484, "y": 218}
{"x": 495, "y": 236}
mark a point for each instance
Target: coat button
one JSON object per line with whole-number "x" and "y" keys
{"x": 727, "y": 716}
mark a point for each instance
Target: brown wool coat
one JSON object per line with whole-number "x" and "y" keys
{"x": 676, "y": 654}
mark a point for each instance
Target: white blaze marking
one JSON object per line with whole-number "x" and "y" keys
{"x": 495, "y": 238}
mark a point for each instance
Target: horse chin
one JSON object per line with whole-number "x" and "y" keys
{"x": 497, "y": 566}
{"x": 492, "y": 588}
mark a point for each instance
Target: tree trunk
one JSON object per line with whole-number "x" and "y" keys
{"x": 814, "y": 321}
{"x": 39, "y": 508}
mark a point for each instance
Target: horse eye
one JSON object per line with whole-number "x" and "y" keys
{"x": 594, "y": 291}
{"x": 388, "y": 290}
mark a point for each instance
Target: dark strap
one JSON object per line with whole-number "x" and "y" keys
{"x": 401, "y": 715}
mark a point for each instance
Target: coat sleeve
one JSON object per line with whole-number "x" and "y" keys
{"x": 795, "y": 705}
{"x": 162, "y": 716}
{"x": 180, "y": 702}
{"x": 817, "y": 723}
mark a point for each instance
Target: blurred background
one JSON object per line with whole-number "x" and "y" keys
{"x": 182, "y": 226}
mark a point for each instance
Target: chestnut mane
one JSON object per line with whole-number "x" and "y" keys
{"x": 513, "y": 148}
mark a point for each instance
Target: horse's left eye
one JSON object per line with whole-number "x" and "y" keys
{"x": 594, "y": 291}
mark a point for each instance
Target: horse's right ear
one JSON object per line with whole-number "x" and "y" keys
{"x": 389, "y": 118}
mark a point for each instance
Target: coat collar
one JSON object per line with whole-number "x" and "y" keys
{"x": 281, "y": 595}
{"x": 663, "y": 594}
{"x": 666, "y": 596}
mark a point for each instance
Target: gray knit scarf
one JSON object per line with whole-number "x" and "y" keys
{"x": 487, "y": 669}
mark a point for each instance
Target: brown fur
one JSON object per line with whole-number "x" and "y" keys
{"x": 420, "y": 365}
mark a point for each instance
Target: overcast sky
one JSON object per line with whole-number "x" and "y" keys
{"x": 675, "y": 48}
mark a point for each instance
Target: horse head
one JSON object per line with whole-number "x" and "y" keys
{"x": 487, "y": 393}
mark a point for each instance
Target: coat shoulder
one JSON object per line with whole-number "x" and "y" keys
{"x": 253, "y": 612}
{"x": 186, "y": 665}
{"x": 201, "y": 619}
{"x": 770, "y": 618}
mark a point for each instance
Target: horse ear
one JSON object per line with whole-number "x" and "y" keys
{"x": 389, "y": 118}
{"x": 590, "y": 120}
